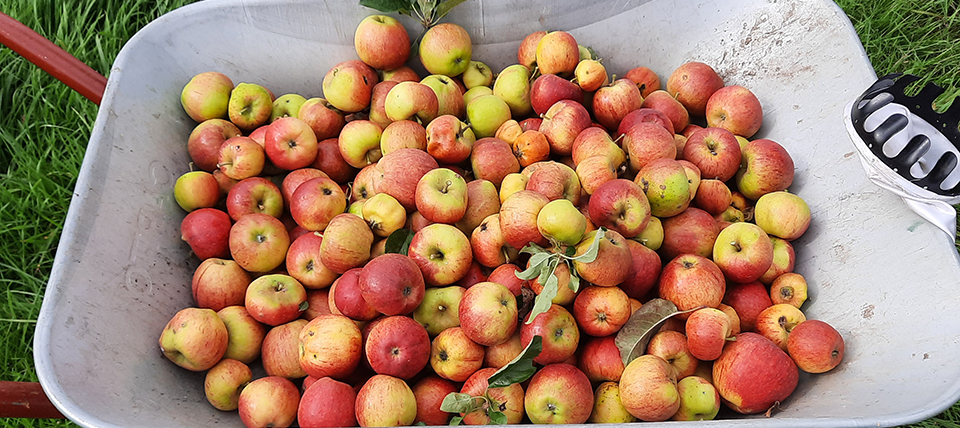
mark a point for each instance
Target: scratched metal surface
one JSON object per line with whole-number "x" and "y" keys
{"x": 882, "y": 276}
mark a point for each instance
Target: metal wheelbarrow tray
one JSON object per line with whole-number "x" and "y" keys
{"x": 886, "y": 279}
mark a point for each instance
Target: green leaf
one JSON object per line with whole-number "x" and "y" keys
{"x": 574, "y": 281}
{"x": 420, "y": 424}
{"x": 456, "y": 420}
{"x": 591, "y": 253}
{"x": 456, "y": 402}
{"x": 633, "y": 337}
{"x": 389, "y": 6}
{"x": 532, "y": 248}
{"x": 444, "y": 7}
{"x": 543, "y": 300}
{"x": 497, "y": 417}
{"x": 520, "y": 368}
{"x": 304, "y": 305}
{"x": 399, "y": 241}
{"x": 537, "y": 262}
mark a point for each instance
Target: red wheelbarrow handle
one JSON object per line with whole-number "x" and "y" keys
{"x": 25, "y": 400}
{"x": 52, "y": 59}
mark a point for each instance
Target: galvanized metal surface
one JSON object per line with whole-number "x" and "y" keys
{"x": 884, "y": 277}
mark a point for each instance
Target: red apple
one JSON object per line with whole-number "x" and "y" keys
{"x": 385, "y": 400}
{"x": 752, "y": 374}
{"x": 492, "y": 159}
{"x": 454, "y": 356}
{"x": 488, "y": 313}
{"x": 691, "y": 281}
{"x": 736, "y": 109}
{"x": 327, "y": 402}
{"x": 743, "y": 251}
{"x": 600, "y": 359}
{"x": 508, "y": 400}
{"x": 815, "y": 346}
{"x": 559, "y": 331}
{"x": 611, "y": 103}
{"x": 269, "y": 401}
{"x": 559, "y": 394}
{"x": 392, "y": 284}
{"x": 259, "y": 242}
{"x": 601, "y": 311}
{"x": 275, "y": 299}
{"x": 346, "y": 244}
{"x": 692, "y": 84}
{"x": 207, "y": 231}
{"x": 550, "y": 88}
{"x": 748, "y": 300}
{"x": 430, "y": 392}
{"x": 693, "y": 231}
{"x": 707, "y": 331}
{"x": 645, "y": 79}
{"x": 766, "y": 167}
{"x": 280, "y": 350}
{"x": 331, "y": 345}
{"x": 382, "y": 42}
{"x": 715, "y": 151}
{"x": 644, "y": 270}
{"x": 672, "y": 347}
{"x": 648, "y": 389}
{"x": 348, "y": 85}
{"x": 218, "y": 283}
{"x": 397, "y": 346}
{"x": 194, "y": 338}
{"x": 613, "y": 260}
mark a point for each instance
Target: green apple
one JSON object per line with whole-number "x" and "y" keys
{"x": 560, "y": 221}
{"x": 699, "y": 400}
{"x": 486, "y": 113}
{"x": 607, "y": 408}
{"x": 287, "y": 105}
{"x": 652, "y": 235}
{"x": 666, "y": 185}
{"x": 359, "y": 143}
{"x": 439, "y": 309}
{"x": 513, "y": 86}
{"x": 446, "y": 49}
{"x": 223, "y": 383}
{"x": 475, "y": 92}
{"x": 196, "y": 189}
{"x": 250, "y": 106}
{"x": 206, "y": 96}
{"x": 477, "y": 74}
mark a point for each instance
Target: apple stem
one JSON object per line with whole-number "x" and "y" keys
{"x": 446, "y": 187}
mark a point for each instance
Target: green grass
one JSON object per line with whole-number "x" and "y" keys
{"x": 44, "y": 127}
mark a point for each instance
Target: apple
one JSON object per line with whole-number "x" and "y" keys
{"x": 275, "y": 299}
{"x": 454, "y": 356}
{"x": 693, "y": 231}
{"x": 441, "y": 196}
{"x": 348, "y": 85}
{"x": 206, "y": 96}
{"x": 691, "y": 281}
{"x": 559, "y": 331}
{"x": 245, "y": 334}
{"x": 400, "y": 74}
{"x": 303, "y": 262}
{"x": 330, "y": 345}
{"x": 607, "y": 408}
{"x": 269, "y": 401}
{"x": 613, "y": 260}
{"x": 645, "y": 79}
{"x": 753, "y": 373}
{"x": 249, "y": 106}
{"x": 203, "y": 144}
{"x": 557, "y": 53}
{"x": 207, "y": 232}
{"x": 550, "y": 88}
{"x": 194, "y": 338}
{"x": 476, "y": 92}
{"x": 715, "y": 151}
{"x": 743, "y": 251}
{"x": 488, "y": 244}
{"x": 477, "y": 74}
{"x": 512, "y": 85}
{"x": 599, "y": 359}
{"x": 442, "y": 252}
{"x": 559, "y": 394}
{"x": 290, "y": 143}
{"x": 620, "y": 205}
{"x": 561, "y": 222}
{"x": 430, "y": 392}
{"x": 254, "y": 195}
{"x": 346, "y": 298}
{"x": 707, "y": 331}
{"x": 385, "y": 401}
{"x": 645, "y": 142}
{"x": 359, "y": 143}
{"x": 445, "y": 49}
{"x": 776, "y": 322}
{"x": 402, "y": 171}
{"x": 488, "y": 313}
{"x": 565, "y": 295}
{"x": 590, "y": 75}
{"x": 440, "y": 309}
{"x": 397, "y": 346}
{"x": 482, "y": 201}
{"x": 601, "y": 311}
{"x": 218, "y": 283}
{"x": 383, "y": 213}
{"x": 325, "y": 120}
{"x": 648, "y": 389}
{"x": 286, "y": 105}
{"x": 382, "y": 42}
{"x": 595, "y": 141}
{"x": 392, "y": 284}
{"x": 748, "y": 300}
{"x": 258, "y": 242}
{"x": 784, "y": 259}
{"x": 331, "y": 161}
{"x": 664, "y": 102}
{"x": 815, "y": 346}
{"x": 508, "y": 400}
{"x": 699, "y": 400}
{"x": 611, "y": 103}
{"x": 644, "y": 270}
{"x": 672, "y": 346}
{"x": 766, "y": 167}
{"x": 736, "y": 109}
{"x": 713, "y": 196}
{"x": 782, "y": 214}
{"x": 449, "y": 140}
{"x": 241, "y": 157}
{"x": 327, "y": 402}
{"x": 346, "y": 244}
{"x": 492, "y": 159}
{"x": 518, "y": 218}
{"x": 562, "y": 122}
{"x": 789, "y": 288}
{"x": 527, "y": 52}
{"x": 280, "y": 350}
{"x": 555, "y": 180}
{"x": 594, "y": 171}
{"x": 512, "y": 183}
{"x": 486, "y": 113}
{"x": 692, "y": 84}
{"x": 412, "y": 101}
{"x": 196, "y": 189}
{"x": 224, "y": 381}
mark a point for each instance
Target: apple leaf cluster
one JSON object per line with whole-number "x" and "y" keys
{"x": 517, "y": 370}
{"x": 543, "y": 265}
{"x": 633, "y": 337}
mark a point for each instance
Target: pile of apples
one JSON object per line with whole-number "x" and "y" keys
{"x": 365, "y": 247}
